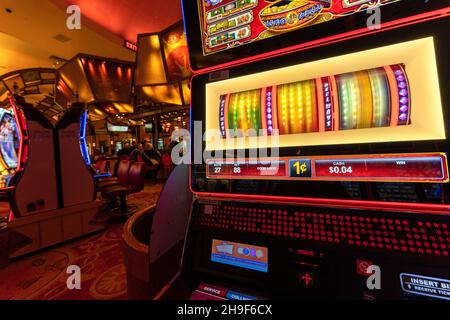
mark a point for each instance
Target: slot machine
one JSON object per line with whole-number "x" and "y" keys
{"x": 77, "y": 176}
{"x": 52, "y": 198}
{"x": 27, "y": 198}
{"x": 13, "y": 144}
{"x": 13, "y": 158}
{"x": 319, "y": 150}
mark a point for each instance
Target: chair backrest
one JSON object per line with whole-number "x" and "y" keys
{"x": 122, "y": 171}
{"x": 101, "y": 164}
{"x": 123, "y": 157}
{"x": 136, "y": 176}
{"x": 166, "y": 161}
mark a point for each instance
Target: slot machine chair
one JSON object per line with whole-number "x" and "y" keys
{"x": 135, "y": 183}
{"x": 167, "y": 164}
{"x": 121, "y": 177}
{"x": 119, "y": 159}
{"x": 101, "y": 165}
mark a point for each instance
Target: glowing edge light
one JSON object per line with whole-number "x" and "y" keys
{"x": 83, "y": 144}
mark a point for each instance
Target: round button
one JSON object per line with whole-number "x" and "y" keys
{"x": 259, "y": 254}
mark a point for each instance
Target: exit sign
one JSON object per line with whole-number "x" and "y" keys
{"x": 130, "y": 45}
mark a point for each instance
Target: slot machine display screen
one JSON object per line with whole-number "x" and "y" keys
{"x": 365, "y": 125}
{"x": 160, "y": 144}
{"x": 226, "y": 24}
{"x": 240, "y": 255}
{"x": 149, "y": 127}
{"x": 9, "y": 146}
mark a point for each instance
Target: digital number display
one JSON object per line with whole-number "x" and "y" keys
{"x": 341, "y": 170}
{"x": 431, "y": 168}
{"x": 247, "y": 168}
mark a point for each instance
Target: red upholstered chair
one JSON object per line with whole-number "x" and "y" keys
{"x": 136, "y": 180}
{"x": 167, "y": 164}
{"x": 101, "y": 165}
{"x": 121, "y": 158}
{"x": 120, "y": 179}
{"x": 152, "y": 171}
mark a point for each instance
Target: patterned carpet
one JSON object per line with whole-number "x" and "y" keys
{"x": 43, "y": 276}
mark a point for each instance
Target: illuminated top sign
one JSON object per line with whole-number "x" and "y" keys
{"x": 113, "y": 128}
{"x": 226, "y": 24}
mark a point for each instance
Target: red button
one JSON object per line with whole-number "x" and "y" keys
{"x": 361, "y": 267}
{"x": 220, "y": 292}
{"x": 306, "y": 279}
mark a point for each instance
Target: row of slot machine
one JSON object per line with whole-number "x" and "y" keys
{"x": 44, "y": 167}
{"x": 326, "y": 149}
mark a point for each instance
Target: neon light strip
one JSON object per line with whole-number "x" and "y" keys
{"x": 403, "y": 94}
{"x": 225, "y": 112}
{"x": 83, "y": 143}
{"x": 269, "y": 110}
{"x": 328, "y": 103}
{"x": 222, "y": 116}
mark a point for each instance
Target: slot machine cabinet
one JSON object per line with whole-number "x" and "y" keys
{"x": 36, "y": 188}
{"x": 40, "y": 215}
{"x": 77, "y": 181}
{"x": 313, "y": 230}
{"x": 13, "y": 157}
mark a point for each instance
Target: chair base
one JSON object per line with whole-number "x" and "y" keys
{"x": 120, "y": 213}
